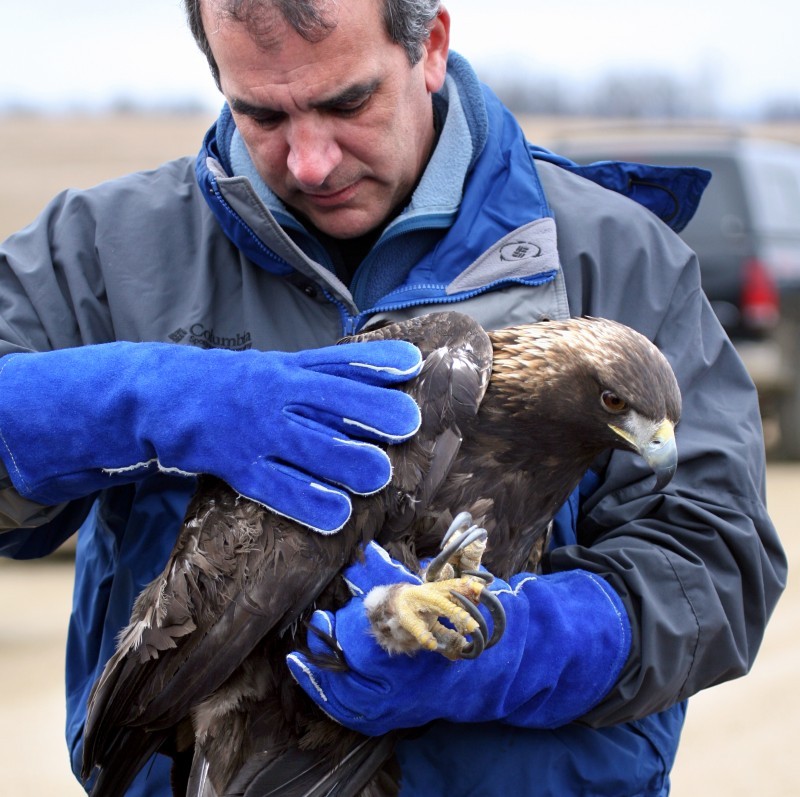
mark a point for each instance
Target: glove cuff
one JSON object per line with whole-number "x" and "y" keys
{"x": 71, "y": 420}
{"x": 577, "y": 642}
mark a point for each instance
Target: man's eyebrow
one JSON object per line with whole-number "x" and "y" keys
{"x": 246, "y": 108}
{"x": 357, "y": 91}
{"x": 348, "y": 95}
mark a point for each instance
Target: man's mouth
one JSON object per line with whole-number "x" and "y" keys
{"x": 330, "y": 199}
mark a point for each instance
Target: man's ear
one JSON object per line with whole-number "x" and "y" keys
{"x": 436, "y": 49}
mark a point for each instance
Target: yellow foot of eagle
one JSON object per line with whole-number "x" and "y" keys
{"x": 408, "y": 617}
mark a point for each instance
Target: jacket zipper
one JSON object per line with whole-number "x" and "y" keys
{"x": 352, "y": 324}
{"x": 239, "y": 220}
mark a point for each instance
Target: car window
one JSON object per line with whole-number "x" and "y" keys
{"x": 722, "y": 216}
{"x": 775, "y": 187}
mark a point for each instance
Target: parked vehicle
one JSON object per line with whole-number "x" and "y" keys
{"x": 747, "y": 236}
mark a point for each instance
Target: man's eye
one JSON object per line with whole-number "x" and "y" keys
{"x": 351, "y": 108}
{"x": 267, "y": 120}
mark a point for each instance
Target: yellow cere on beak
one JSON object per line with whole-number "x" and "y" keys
{"x": 657, "y": 448}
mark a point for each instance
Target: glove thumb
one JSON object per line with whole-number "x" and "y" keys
{"x": 376, "y": 569}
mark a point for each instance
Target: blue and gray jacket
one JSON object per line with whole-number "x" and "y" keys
{"x": 200, "y": 252}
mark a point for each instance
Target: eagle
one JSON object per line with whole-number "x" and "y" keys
{"x": 511, "y": 421}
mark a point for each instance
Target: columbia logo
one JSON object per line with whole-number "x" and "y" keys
{"x": 208, "y": 338}
{"x": 519, "y": 250}
{"x": 178, "y": 335}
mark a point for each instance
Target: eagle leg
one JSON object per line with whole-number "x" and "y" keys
{"x": 407, "y": 617}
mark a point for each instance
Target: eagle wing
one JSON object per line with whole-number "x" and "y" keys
{"x": 205, "y": 644}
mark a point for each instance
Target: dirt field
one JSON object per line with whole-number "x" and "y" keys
{"x": 739, "y": 737}
{"x": 48, "y": 154}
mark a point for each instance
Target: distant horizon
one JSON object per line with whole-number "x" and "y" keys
{"x": 199, "y": 106}
{"x": 100, "y": 56}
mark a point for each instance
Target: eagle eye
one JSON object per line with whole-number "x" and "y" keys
{"x": 613, "y": 403}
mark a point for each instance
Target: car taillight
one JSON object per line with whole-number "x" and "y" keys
{"x": 760, "y": 301}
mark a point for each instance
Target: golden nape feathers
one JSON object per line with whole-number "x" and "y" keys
{"x": 611, "y": 354}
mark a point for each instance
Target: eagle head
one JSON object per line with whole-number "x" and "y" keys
{"x": 588, "y": 384}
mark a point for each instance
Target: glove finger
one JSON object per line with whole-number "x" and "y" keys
{"x": 375, "y": 362}
{"x": 360, "y": 467}
{"x": 313, "y": 681}
{"x": 378, "y": 568}
{"x": 289, "y": 493}
{"x": 354, "y": 688}
{"x": 358, "y": 410}
{"x": 393, "y": 417}
{"x": 347, "y": 708}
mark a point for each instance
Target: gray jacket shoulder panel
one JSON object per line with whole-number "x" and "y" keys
{"x": 682, "y": 561}
{"x": 142, "y": 258}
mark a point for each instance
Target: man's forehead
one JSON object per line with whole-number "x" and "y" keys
{"x": 262, "y": 20}
{"x": 298, "y": 73}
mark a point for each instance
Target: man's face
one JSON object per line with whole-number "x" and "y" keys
{"x": 340, "y": 129}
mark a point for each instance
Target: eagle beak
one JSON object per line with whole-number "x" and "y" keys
{"x": 657, "y": 449}
{"x": 661, "y": 454}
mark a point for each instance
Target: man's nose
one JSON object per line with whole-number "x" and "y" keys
{"x": 313, "y": 152}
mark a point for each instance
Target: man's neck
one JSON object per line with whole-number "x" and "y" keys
{"x": 347, "y": 254}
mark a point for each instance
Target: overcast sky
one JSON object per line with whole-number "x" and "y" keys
{"x": 89, "y": 53}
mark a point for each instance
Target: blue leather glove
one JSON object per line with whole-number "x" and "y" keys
{"x": 567, "y": 638}
{"x": 287, "y": 430}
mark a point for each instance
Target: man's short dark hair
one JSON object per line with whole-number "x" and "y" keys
{"x": 407, "y": 21}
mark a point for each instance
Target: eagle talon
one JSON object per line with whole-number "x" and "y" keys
{"x": 463, "y": 520}
{"x": 498, "y": 615}
{"x": 443, "y": 558}
{"x": 483, "y": 575}
{"x": 452, "y": 545}
{"x": 481, "y": 635}
{"x": 473, "y": 649}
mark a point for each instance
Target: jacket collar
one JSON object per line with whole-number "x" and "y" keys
{"x": 445, "y": 232}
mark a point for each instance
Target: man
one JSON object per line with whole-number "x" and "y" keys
{"x": 357, "y": 171}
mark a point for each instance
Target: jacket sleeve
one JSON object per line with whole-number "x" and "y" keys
{"x": 29, "y": 530}
{"x": 52, "y": 296}
{"x": 699, "y": 566}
